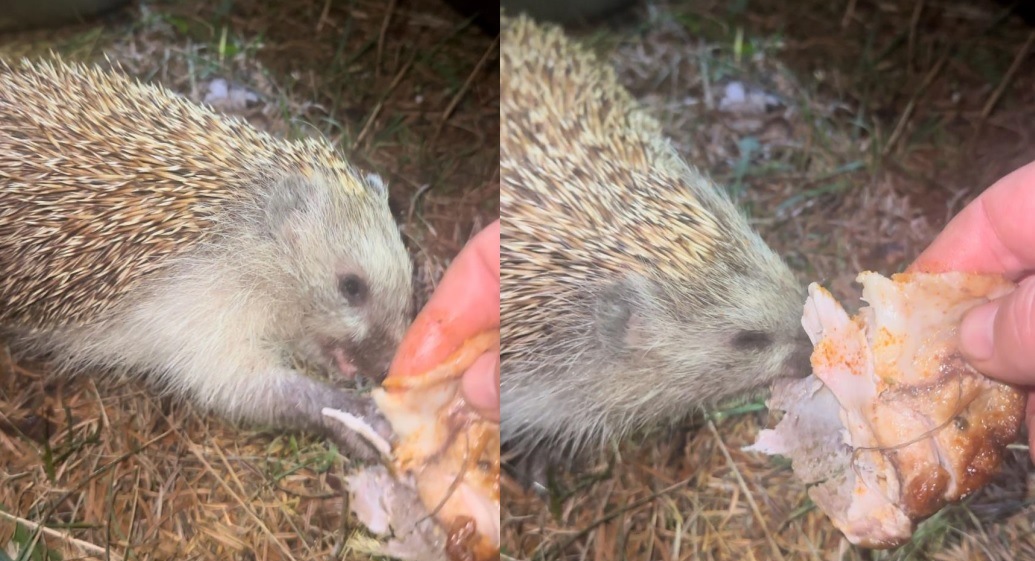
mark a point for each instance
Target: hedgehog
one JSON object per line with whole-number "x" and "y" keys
{"x": 633, "y": 290}
{"x": 141, "y": 234}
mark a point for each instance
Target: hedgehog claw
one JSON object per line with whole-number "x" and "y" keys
{"x": 531, "y": 471}
{"x": 352, "y": 443}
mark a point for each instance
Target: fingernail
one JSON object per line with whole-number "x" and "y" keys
{"x": 976, "y": 332}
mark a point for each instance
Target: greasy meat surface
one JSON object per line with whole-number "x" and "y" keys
{"x": 450, "y": 452}
{"x": 444, "y": 464}
{"x": 893, "y": 424}
{"x": 388, "y": 506}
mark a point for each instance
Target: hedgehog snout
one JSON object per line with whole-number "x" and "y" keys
{"x": 368, "y": 357}
{"x": 799, "y": 363}
{"x": 792, "y": 351}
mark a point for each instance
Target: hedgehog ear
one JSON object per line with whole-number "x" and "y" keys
{"x": 377, "y": 185}
{"x": 290, "y": 201}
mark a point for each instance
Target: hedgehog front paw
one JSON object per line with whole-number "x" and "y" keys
{"x": 532, "y": 469}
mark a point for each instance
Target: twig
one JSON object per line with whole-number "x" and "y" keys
{"x": 381, "y": 37}
{"x": 493, "y": 48}
{"x": 615, "y": 513}
{"x": 1008, "y": 77}
{"x": 99, "y": 471}
{"x": 241, "y": 489}
{"x": 323, "y": 16}
{"x": 849, "y": 14}
{"x": 705, "y": 73}
{"x": 900, "y": 126}
{"x": 384, "y": 96}
{"x": 416, "y": 197}
{"x": 83, "y": 545}
{"x": 747, "y": 492}
{"x": 914, "y": 21}
{"x": 196, "y": 450}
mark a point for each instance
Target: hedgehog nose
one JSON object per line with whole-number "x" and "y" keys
{"x": 799, "y": 363}
{"x": 375, "y": 353}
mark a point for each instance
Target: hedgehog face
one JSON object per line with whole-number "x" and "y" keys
{"x": 343, "y": 246}
{"x": 643, "y": 349}
{"x": 712, "y": 337}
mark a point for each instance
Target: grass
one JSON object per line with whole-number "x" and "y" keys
{"x": 880, "y": 136}
{"x": 95, "y": 468}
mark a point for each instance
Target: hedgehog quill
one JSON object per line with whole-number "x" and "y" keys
{"x": 633, "y": 290}
{"x": 143, "y": 234}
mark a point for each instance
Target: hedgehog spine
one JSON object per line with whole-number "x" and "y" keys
{"x": 632, "y": 290}
{"x": 142, "y": 233}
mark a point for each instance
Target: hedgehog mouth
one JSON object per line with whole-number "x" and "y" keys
{"x": 354, "y": 360}
{"x": 342, "y": 361}
{"x": 351, "y": 365}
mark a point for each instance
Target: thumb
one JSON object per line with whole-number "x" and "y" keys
{"x": 466, "y": 303}
{"x": 481, "y": 386}
{"x": 998, "y": 338}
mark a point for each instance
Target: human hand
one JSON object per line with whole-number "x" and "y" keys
{"x": 996, "y": 234}
{"x": 466, "y": 303}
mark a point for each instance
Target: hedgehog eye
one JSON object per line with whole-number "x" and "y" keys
{"x": 749, "y": 340}
{"x": 353, "y": 289}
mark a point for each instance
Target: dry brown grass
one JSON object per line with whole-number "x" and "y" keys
{"x": 95, "y": 469}
{"x": 892, "y": 115}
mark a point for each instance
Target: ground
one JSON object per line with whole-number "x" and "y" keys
{"x": 100, "y": 469}
{"x": 884, "y": 119}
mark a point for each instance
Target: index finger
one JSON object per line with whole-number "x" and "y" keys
{"x": 993, "y": 234}
{"x": 466, "y": 303}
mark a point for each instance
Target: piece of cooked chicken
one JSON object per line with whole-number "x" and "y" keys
{"x": 893, "y": 424}
{"x": 444, "y": 460}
